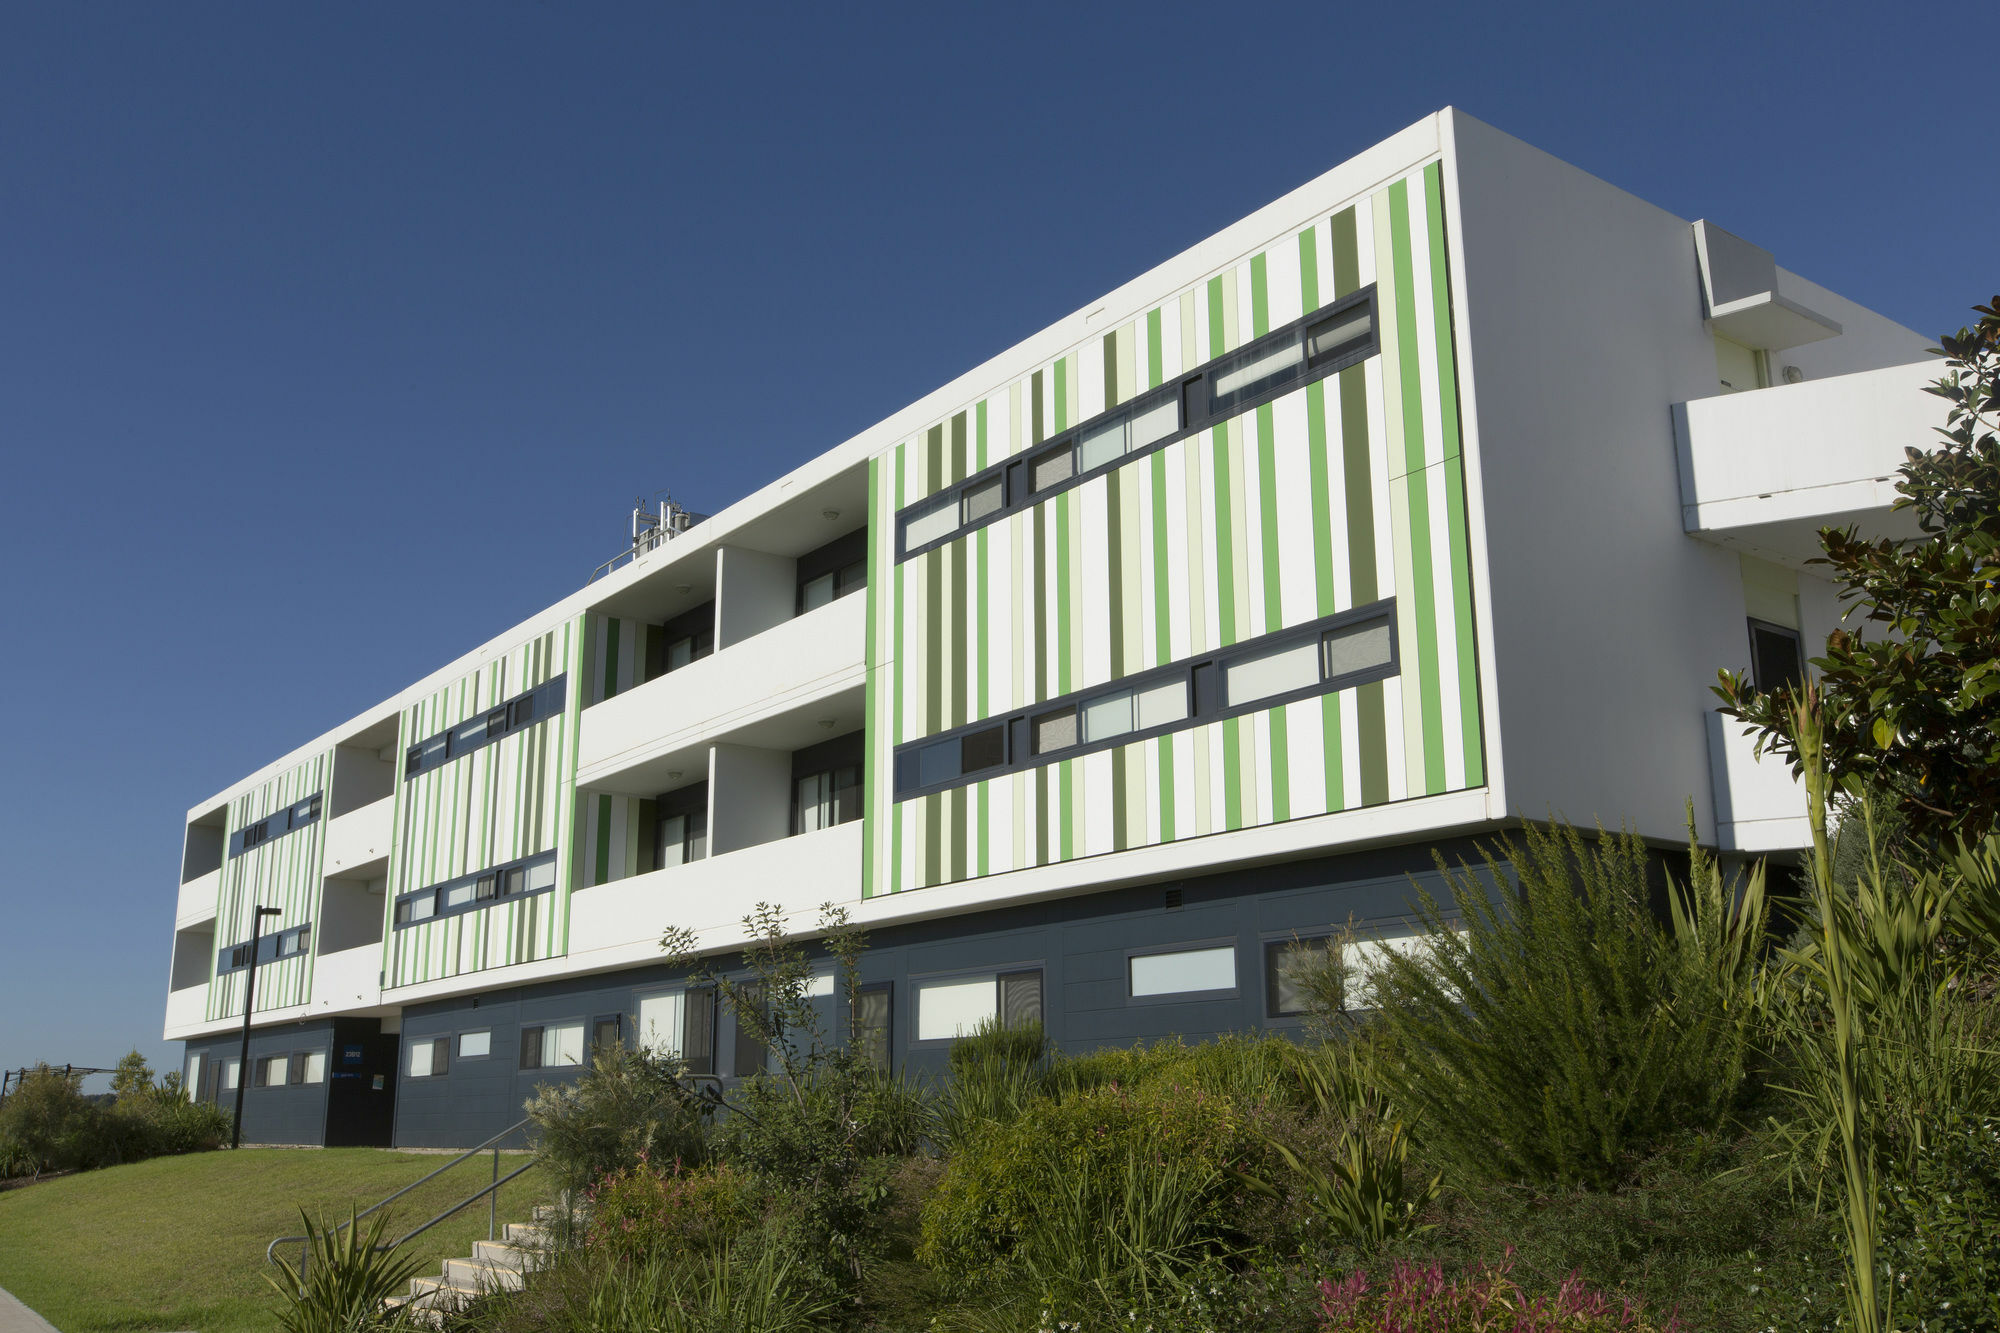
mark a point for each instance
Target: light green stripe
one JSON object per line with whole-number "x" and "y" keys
{"x": 1419, "y": 499}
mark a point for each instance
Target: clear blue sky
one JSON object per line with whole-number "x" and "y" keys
{"x": 335, "y": 339}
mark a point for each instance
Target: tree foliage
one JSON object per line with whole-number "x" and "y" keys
{"x": 1911, "y": 696}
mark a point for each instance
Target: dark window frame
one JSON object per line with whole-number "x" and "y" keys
{"x": 302, "y": 813}
{"x": 548, "y": 700}
{"x": 401, "y": 919}
{"x": 1267, "y": 945}
{"x": 1193, "y": 389}
{"x": 1229, "y": 942}
{"x": 1205, "y": 703}
{"x": 999, "y": 972}
{"x": 1755, "y": 627}
{"x": 855, "y": 1031}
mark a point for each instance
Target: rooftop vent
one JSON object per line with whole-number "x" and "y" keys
{"x": 650, "y": 529}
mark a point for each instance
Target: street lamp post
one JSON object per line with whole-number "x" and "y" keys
{"x": 257, "y": 916}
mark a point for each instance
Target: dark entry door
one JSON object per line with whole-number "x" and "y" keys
{"x": 361, "y": 1092}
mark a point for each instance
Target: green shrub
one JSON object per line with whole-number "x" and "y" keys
{"x": 748, "y": 1288}
{"x": 639, "y": 1212}
{"x": 1940, "y": 1242}
{"x": 632, "y": 1106}
{"x": 54, "y": 1127}
{"x": 164, "y": 1122}
{"x": 1245, "y": 1068}
{"x": 1559, "y": 1034}
{"x": 1423, "y": 1296}
{"x": 995, "y": 1072}
{"x": 1109, "y": 1186}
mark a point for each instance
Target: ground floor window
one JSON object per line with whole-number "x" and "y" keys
{"x": 956, "y": 1007}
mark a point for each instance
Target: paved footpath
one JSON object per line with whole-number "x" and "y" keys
{"x": 18, "y": 1318}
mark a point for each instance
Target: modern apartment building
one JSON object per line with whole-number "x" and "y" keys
{"x": 1425, "y": 499}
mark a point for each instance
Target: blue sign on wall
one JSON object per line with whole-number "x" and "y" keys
{"x": 350, "y": 1055}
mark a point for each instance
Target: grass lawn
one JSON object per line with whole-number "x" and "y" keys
{"x": 178, "y": 1242}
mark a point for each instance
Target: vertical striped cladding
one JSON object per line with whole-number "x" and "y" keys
{"x": 283, "y": 873}
{"x": 511, "y": 799}
{"x": 614, "y": 656}
{"x": 1343, "y": 492}
{"x": 608, "y": 840}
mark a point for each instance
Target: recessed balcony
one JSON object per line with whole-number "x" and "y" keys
{"x": 197, "y": 900}
{"x": 360, "y": 837}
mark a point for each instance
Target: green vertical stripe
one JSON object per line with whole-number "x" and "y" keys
{"x": 1308, "y": 271}
{"x": 1225, "y": 540}
{"x": 1114, "y": 565}
{"x": 1267, "y": 505}
{"x": 1346, "y": 253}
{"x": 1356, "y": 468}
{"x": 1037, "y": 637}
{"x": 1419, "y": 498}
{"x": 1371, "y": 721}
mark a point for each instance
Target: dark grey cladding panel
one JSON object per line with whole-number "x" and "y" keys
{"x": 291, "y": 1113}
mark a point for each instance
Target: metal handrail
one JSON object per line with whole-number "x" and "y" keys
{"x": 491, "y": 1192}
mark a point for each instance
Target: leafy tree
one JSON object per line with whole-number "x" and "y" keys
{"x": 133, "y": 1077}
{"x": 1916, "y": 711}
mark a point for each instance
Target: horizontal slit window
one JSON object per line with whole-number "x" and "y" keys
{"x": 1185, "y": 972}
{"x": 1254, "y": 372}
{"x": 1344, "y": 332}
{"x": 922, "y": 529}
{"x": 1354, "y": 648}
{"x": 1057, "y": 465}
{"x": 1055, "y": 731}
{"x": 1278, "y": 671}
{"x": 979, "y": 501}
{"x": 474, "y": 1045}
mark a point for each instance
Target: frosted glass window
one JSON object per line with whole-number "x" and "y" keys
{"x": 542, "y": 876}
{"x": 1055, "y": 731}
{"x": 315, "y": 1067}
{"x": 1161, "y": 704}
{"x": 816, "y": 593}
{"x": 1107, "y": 717}
{"x": 232, "y": 1073}
{"x": 458, "y": 895}
{"x": 193, "y": 1084}
{"x": 660, "y": 1020}
{"x": 1357, "y": 648}
{"x": 979, "y": 501}
{"x": 1155, "y": 423}
{"x": 275, "y": 1071}
{"x": 420, "y": 1059}
{"x": 1367, "y": 959}
{"x": 563, "y": 1045}
{"x": 423, "y": 907}
{"x": 1331, "y": 335}
{"x": 1177, "y": 973}
{"x": 472, "y": 1045}
{"x": 948, "y": 1009}
{"x": 1266, "y": 369}
{"x": 1276, "y": 672}
{"x": 929, "y": 526}
{"x": 1054, "y": 466}
{"x": 1100, "y": 446}
{"x": 819, "y": 986}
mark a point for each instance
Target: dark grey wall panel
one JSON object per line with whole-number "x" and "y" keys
{"x": 292, "y": 1113}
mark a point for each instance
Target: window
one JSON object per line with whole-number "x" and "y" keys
{"x": 1272, "y": 672}
{"x": 1336, "y": 652}
{"x": 817, "y": 592}
{"x": 296, "y": 1070}
{"x": 1777, "y": 657}
{"x": 607, "y": 1032}
{"x": 314, "y": 1067}
{"x": 871, "y": 1024}
{"x": 552, "y": 1046}
{"x": 430, "y": 1057}
{"x": 955, "y": 1008}
{"x": 269, "y": 1071}
{"x": 232, "y": 1072}
{"x": 480, "y": 889}
{"x": 492, "y": 724}
{"x": 683, "y": 838}
{"x": 475, "y": 1045}
{"x": 939, "y": 520}
{"x": 1055, "y": 466}
{"x": 835, "y": 570}
{"x": 1345, "y": 332}
{"x": 1286, "y": 963}
{"x": 976, "y": 502}
{"x": 194, "y": 1073}
{"x": 821, "y": 800}
{"x": 1182, "y": 972}
{"x": 458, "y": 895}
{"x": 485, "y": 887}
{"x": 660, "y": 1022}
{"x": 750, "y": 1051}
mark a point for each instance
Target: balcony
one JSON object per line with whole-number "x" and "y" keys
{"x": 187, "y": 1010}
{"x": 348, "y": 980}
{"x": 622, "y": 921}
{"x": 1759, "y": 806}
{"x": 752, "y": 693}
{"x": 356, "y": 839}
{"x": 197, "y": 900}
{"x": 1765, "y": 470}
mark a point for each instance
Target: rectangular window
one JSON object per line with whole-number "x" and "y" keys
{"x": 1099, "y": 446}
{"x": 531, "y": 1048}
{"x": 232, "y": 1074}
{"x": 194, "y": 1073}
{"x": 982, "y": 749}
{"x": 422, "y": 908}
{"x": 466, "y": 735}
{"x": 954, "y": 1008}
{"x": 825, "y": 799}
{"x": 661, "y": 1020}
{"x": 1057, "y": 465}
{"x": 607, "y": 1032}
{"x": 486, "y": 888}
{"x": 1355, "y": 648}
{"x": 1183, "y": 972}
{"x": 750, "y": 1051}
{"x": 940, "y": 520}
{"x": 698, "y": 1031}
{"x": 475, "y": 1045}
{"x": 1286, "y": 962}
{"x": 1344, "y": 332}
{"x": 295, "y": 1070}
{"x": 1254, "y": 372}
{"x": 541, "y": 876}
{"x": 815, "y": 593}
{"x": 1270, "y": 673}
{"x": 271, "y": 1071}
{"x": 986, "y": 498}
{"x": 315, "y": 1067}
{"x": 871, "y": 1025}
{"x": 1777, "y": 657}
{"x": 514, "y": 881}
{"x": 458, "y": 895}
{"x": 562, "y": 1046}
{"x": 1055, "y": 731}
{"x": 682, "y": 838}
{"x": 429, "y": 1058}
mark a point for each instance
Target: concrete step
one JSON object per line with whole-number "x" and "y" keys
{"x": 502, "y": 1255}
{"x": 528, "y": 1235}
{"x": 479, "y": 1276}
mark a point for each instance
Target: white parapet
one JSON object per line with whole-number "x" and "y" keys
{"x": 787, "y": 667}
{"x": 620, "y": 923}
{"x": 348, "y": 980}
{"x": 1771, "y": 466}
{"x": 187, "y": 1011}
{"x": 360, "y": 836}
{"x": 197, "y": 900}
{"x": 1759, "y": 805}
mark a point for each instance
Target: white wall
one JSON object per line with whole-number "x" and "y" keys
{"x": 754, "y": 591}
{"x": 1867, "y": 340}
{"x": 1582, "y": 309}
{"x": 749, "y": 797}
